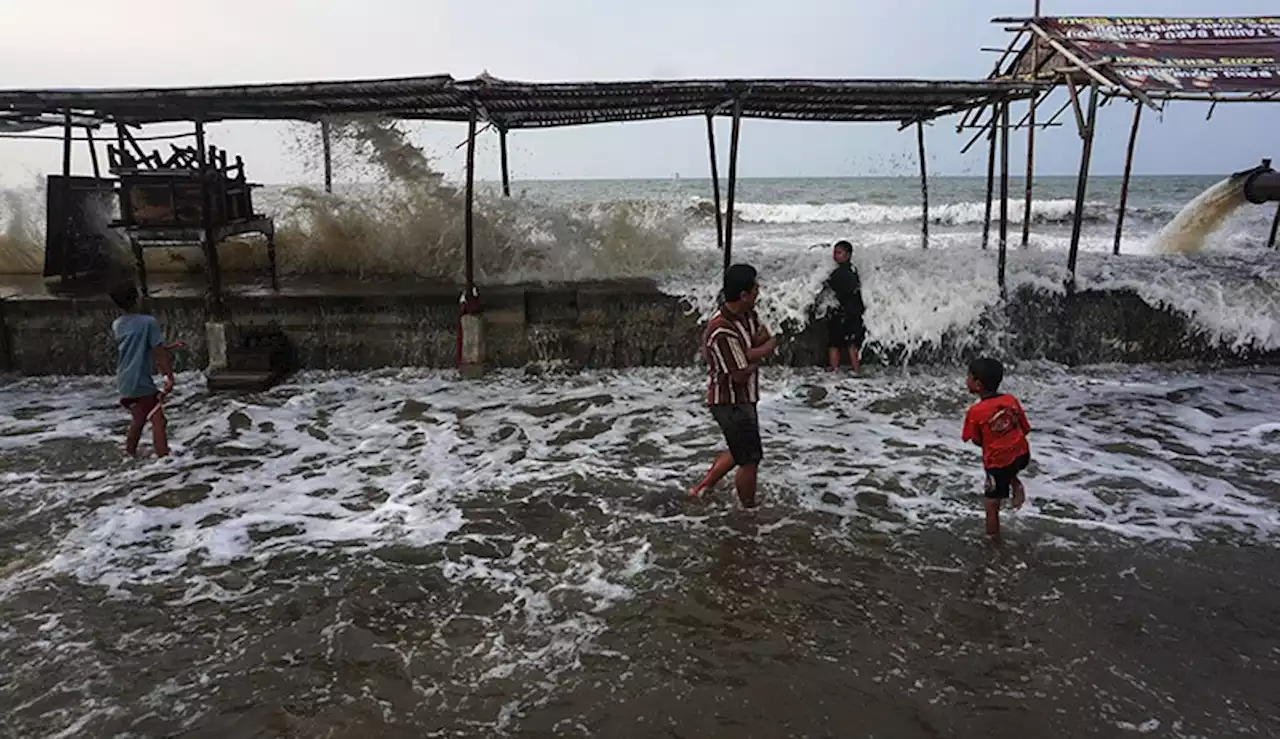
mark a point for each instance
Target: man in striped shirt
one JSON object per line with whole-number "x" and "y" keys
{"x": 734, "y": 344}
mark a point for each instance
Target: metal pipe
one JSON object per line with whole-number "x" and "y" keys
{"x": 327, "y": 145}
{"x": 469, "y": 243}
{"x": 502, "y": 154}
{"x": 1004, "y": 195}
{"x": 924, "y": 185}
{"x": 1128, "y": 171}
{"x": 715, "y": 179}
{"x": 991, "y": 185}
{"x": 733, "y": 182}
{"x": 1262, "y": 184}
{"x": 1082, "y": 182}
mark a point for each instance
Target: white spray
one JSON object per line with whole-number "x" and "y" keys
{"x": 1187, "y": 232}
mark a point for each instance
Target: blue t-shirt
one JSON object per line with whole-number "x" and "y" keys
{"x": 136, "y": 335}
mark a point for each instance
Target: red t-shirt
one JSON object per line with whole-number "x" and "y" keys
{"x": 1000, "y": 425}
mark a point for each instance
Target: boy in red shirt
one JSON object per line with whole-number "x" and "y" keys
{"x": 998, "y": 424}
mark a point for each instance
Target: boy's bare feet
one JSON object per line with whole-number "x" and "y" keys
{"x": 1019, "y": 494}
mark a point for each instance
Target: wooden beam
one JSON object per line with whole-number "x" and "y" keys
{"x": 502, "y": 156}
{"x": 326, "y": 144}
{"x": 991, "y": 184}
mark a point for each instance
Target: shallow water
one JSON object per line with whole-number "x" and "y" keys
{"x": 400, "y": 553}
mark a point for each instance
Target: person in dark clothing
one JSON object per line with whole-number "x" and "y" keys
{"x": 846, "y": 331}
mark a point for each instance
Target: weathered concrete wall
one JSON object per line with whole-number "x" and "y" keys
{"x": 615, "y": 324}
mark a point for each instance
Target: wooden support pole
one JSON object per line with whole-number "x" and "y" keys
{"x": 326, "y": 143}
{"x": 470, "y": 235}
{"x": 991, "y": 187}
{"x": 1082, "y": 183}
{"x": 506, "y": 171}
{"x": 93, "y": 153}
{"x": 1004, "y": 195}
{"x": 1275, "y": 227}
{"x": 1031, "y": 140}
{"x": 206, "y": 215}
{"x": 924, "y": 185}
{"x": 64, "y": 238}
{"x": 1128, "y": 170}
{"x": 733, "y": 182}
{"x": 715, "y": 179}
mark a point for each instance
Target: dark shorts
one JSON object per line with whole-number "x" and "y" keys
{"x": 844, "y": 331}
{"x": 142, "y": 405}
{"x": 741, "y": 429}
{"x": 1000, "y": 480}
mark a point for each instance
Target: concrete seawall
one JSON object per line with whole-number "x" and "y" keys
{"x": 597, "y": 325}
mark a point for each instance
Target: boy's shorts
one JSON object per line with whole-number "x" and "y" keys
{"x": 845, "y": 331}
{"x": 1000, "y": 479}
{"x": 142, "y": 405}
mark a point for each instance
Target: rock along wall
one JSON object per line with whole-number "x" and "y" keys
{"x": 596, "y": 325}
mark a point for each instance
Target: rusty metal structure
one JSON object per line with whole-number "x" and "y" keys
{"x": 1151, "y": 62}
{"x": 158, "y": 195}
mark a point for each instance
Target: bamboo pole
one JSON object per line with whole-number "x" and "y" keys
{"x": 715, "y": 179}
{"x": 924, "y": 185}
{"x": 1004, "y": 195}
{"x": 1031, "y": 140}
{"x": 64, "y": 237}
{"x": 93, "y": 153}
{"x": 506, "y": 171}
{"x": 991, "y": 185}
{"x": 1128, "y": 171}
{"x": 206, "y": 218}
{"x": 326, "y": 143}
{"x": 470, "y": 206}
{"x": 733, "y": 182}
{"x": 1275, "y": 228}
{"x": 1082, "y": 182}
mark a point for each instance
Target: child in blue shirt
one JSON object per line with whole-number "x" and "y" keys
{"x": 141, "y": 349}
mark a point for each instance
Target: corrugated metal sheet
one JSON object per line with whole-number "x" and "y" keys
{"x": 527, "y": 105}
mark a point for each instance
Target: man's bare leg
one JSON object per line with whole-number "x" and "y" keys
{"x": 745, "y": 481}
{"x": 719, "y": 468}
{"x": 855, "y": 360}
{"x": 833, "y": 359}
{"x": 1019, "y": 494}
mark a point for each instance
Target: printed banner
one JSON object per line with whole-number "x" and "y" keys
{"x": 1237, "y": 55}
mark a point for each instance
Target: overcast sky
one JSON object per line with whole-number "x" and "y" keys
{"x": 76, "y": 43}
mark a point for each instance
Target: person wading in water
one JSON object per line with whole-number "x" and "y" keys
{"x": 734, "y": 344}
{"x": 845, "y": 328}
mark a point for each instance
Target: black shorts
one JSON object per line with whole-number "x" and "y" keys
{"x": 1000, "y": 479}
{"x": 741, "y": 429}
{"x": 844, "y": 331}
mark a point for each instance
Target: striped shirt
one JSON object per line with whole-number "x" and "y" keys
{"x": 725, "y": 344}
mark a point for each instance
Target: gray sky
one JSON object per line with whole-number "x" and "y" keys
{"x": 77, "y": 43}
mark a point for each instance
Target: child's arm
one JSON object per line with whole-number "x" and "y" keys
{"x": 971, "y": 431}
{"x": 161, "y": 356}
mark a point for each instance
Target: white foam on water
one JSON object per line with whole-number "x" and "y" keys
{"x": 341, "y": 467}
{"x": 866, "y": 214}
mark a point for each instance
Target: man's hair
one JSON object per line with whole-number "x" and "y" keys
{"x": 987, "y": 371}
{"x": 738, "y": 279}
{"x": 125, "y": 296}
{"x": 845, "y": 247}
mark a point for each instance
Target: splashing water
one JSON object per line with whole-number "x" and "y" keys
{"x": 22, "y": 237}
{"x": 1186, "y": 233}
